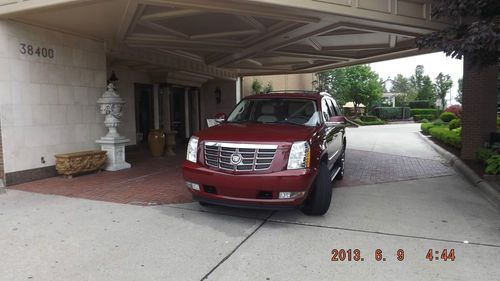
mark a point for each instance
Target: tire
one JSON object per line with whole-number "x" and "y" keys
{"x": 341, "y": 163}
{"x": 318, "y": 201}
{"x": 204, "y": 204}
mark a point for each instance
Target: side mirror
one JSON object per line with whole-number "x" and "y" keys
{"x": 221, "y": 116}
{"x": 336, "y": 121}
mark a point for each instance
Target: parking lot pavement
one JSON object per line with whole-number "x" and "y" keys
{"x": 46, "y": 237}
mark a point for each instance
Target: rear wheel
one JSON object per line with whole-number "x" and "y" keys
{"x": 320, "y": 196}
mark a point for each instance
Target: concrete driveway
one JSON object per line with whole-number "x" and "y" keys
{"x": 410, "y": 207}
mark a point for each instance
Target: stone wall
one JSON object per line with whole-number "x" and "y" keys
{"x": 49, "y": 84}
{"x": 280, "y": 82}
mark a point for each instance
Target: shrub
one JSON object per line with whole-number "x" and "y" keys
{"x": 425, "y": 128}
{"x": 447, "y": 116}
{"x": 368, "y": 118}
{"x": 446, "y": 136}
{"x": 420, "y": 111}
{"x": 438, "y": 122}
{"x": 484, "y": 154}
{"x": 419, "y": 117}
{"x": 424, "y": 121}
{"x": 368, "y": 123}
{"x": 498, "y": 121}
{"x": 493, "y": 165}
{"x": 386, "y": 113}
{"x": 419, "y": 104}
{"x": 455, "y": 123}
{"x": 456, "y": 109}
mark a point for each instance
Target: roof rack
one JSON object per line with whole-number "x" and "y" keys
{"x": 293, "y": 91}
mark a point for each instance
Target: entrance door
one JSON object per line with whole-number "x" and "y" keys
{"x": 144, "y": 111}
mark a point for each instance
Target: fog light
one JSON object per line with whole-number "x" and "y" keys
{"x": 290, "y": 195}
{"x": 193, "y": 186}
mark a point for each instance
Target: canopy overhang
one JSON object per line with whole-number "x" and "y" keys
{"x": 227, "y": 39}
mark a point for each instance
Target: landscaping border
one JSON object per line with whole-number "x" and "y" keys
{"x": 491, "y": 193}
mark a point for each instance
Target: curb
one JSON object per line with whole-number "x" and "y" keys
{"x": 491, "y": 193}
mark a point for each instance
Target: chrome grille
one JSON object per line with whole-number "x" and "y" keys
{"x": 251, "y": 157}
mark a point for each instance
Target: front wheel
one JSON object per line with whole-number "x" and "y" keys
{"x": 341, "y": 163}
{"x": 320, "y": 196}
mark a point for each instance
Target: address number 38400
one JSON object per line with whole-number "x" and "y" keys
{"x": 27, "y": 49}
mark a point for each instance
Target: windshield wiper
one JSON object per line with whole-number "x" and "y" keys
{"x": 288, "y": 122}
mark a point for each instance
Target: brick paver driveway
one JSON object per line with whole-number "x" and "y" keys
{"x": 398, "y": 197}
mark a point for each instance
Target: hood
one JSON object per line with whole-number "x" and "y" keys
{"x": 257, "y": 132}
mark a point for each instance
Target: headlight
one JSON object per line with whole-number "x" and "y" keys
{"x": 192, "y": 149}
{"x": 300, "y": 156}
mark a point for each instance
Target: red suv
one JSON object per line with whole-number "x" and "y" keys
{"x": 274, "y": 151}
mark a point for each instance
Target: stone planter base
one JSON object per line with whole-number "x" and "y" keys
{"x": 115, "y": 149}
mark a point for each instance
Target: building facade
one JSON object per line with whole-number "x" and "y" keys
{"x": 178, "y": 62}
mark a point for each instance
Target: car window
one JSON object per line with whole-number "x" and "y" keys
{"x": 295, "y": 111}
{"x": 333, "y": 110}
{"x": 327, "y": 113}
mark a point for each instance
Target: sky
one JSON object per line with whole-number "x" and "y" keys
{"x": 433, "y": 64}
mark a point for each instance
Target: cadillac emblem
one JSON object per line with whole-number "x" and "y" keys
{"x": 236, "y": 159}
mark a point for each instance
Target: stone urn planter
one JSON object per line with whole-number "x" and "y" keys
{"x": 156, "y": 142}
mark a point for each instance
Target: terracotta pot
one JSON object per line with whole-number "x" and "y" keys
{"x": 156, "y": 141}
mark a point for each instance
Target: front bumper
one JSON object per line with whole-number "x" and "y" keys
{"x": 246, "y": 189}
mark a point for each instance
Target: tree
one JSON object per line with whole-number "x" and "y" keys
{"x": 443, "y": 85}
{"x": 268, "y": 88}
{"x": 459, "y": 90}
{"x": 256, "y": 86}
{"x": 422, "y": 84}
{"x": 358, "y": 84}
{"x": 402, "y": 86}
{"x": 474, "y": 30}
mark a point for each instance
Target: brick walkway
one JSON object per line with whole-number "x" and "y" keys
{"x": 364, "y": 167}
{"x": 154, "y": 181}
{"x": 150, "y": 181}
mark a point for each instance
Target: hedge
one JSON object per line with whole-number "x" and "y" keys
{"x": 419, "y": 117}
{"x": 420, "y": 111}
{"x": 455, "y": 123}
{"x": 425, "y": 128}
{"x": 369, "y": 118}
{"x": 368, "y": 123}
{"x": 391, "y": 112}
{"x": 444, "y": 135}
{"x": 420, "y": 104}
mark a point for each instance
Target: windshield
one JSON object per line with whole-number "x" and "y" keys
{"x": 293, "y": 111}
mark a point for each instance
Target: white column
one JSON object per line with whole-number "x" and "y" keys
{"x": 186, "y": 111}
{"x": 156, "y": 106}
{"x": 238, "y": 89}
{"x": 196, "y": 112}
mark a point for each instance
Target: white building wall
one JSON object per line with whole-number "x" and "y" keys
{"x": 48, "y": 105}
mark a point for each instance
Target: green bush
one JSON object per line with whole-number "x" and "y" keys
{"x": 455, "y": 123}
{"x": 424, "y": 121}
{"x": 493, "y": 165}
{"x": 498, "y": 121}
{"x": 368, "y": 123}
{"x": 419, "y": 117}
{"x": 387, "y": 113}
{"x": 425, "y": 128}
{"x": 420, "y": 104}
{"x": 444, "y": 135}
{"x": 484, "y": 154}
{"x": 369, "y": 118}
{"x": 420, "y": 111}
{"x": 447, "y": 116}
{"x": 438, "y": 122}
